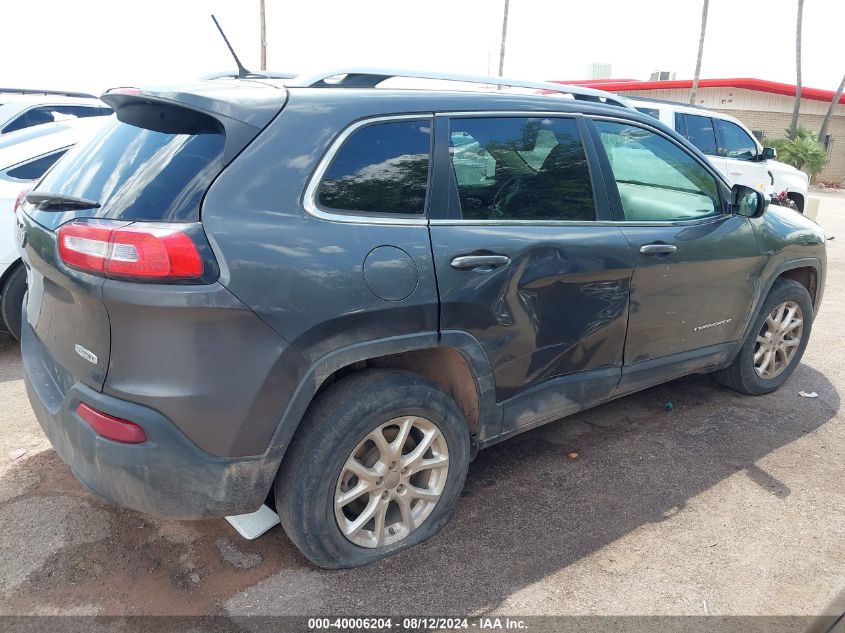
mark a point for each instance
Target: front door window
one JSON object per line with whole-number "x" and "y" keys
{"x": 657, "y": 180}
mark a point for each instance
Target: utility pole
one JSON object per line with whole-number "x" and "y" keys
{"x": 263, "y": 36}
{"x": 504, "y": 39}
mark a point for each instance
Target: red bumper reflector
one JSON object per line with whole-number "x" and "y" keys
{"x": 110, "y": 427}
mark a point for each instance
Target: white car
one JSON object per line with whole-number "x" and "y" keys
{"x": 19, "y": 111}
{"x": 25, "y": 156}
{"x": 731, "y": 147}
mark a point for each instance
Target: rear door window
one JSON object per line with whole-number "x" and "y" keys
{"x": 652, "y": 112}
{"x": 700, "y": 132}
{"x": 137, "y": 173}
{"x": 76, "y": 112}
{"x": 18, "y": 123}
{"x": 52, "y": 113}
{"x": 517, "y": 168}
{"x": 381, "y": 168}
{"x": 34, "y": 169}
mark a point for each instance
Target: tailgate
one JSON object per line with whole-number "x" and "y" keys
{"x": 64, "y": 308}
{"x": 151, "y": 166}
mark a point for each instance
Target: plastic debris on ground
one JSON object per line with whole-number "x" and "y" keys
{"x": 254, "y": 524}
{"x": 17, "y": 453}
{"x": 808, "y": 394}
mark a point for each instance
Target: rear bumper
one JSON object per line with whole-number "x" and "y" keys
{"x": 168, "y": 475}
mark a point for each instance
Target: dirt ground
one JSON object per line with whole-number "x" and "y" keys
{"x": 727, "y": 505}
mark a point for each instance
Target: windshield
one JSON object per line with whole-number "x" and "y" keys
{"x": 140, "y": 174}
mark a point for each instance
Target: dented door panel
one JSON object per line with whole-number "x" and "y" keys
{"x": 559, "y": 306}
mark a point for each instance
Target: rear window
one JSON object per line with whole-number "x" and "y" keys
{"x": 382, "y": 168}
{"x": 138, "y": 173}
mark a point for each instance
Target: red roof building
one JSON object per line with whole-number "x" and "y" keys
{"x": 764, "y": 106}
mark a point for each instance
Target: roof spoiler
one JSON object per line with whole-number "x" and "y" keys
{"x": 241, "y": 119}
{"x": 262, "y": 74}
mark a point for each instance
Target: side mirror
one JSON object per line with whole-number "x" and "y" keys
{"x": 748, "y": 202}
{"x": 769, "y": 153}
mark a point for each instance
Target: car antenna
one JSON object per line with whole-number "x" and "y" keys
{"x": 243, "y": 73}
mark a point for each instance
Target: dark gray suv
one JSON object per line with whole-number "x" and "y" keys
{"x": 333, "y": 294}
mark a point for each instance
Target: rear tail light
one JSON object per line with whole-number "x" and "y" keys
{"x": 130, "y": 251}
{"x": 18, "y": 200}
{"x": 110, "y": 427}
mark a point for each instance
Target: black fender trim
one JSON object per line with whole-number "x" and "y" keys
{"x": 463, "y": 342}
{"x": 770, "y": 277}
{"x": 490, "y": 412}
{"x": 8, "y": 272}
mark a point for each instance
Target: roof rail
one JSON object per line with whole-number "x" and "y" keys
{"x": 372, "y": 77}
{"x": 669, "y": 102}
{"x": 34, "y": 91}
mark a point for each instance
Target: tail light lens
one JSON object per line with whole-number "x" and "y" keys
{"x": 130, "y": 251}
{"x": 18, "y": 200}
{"x": 110, "y": 427}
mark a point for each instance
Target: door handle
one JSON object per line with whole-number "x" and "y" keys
{"x": 470, "y": 262}
{"x": 658, "y": 249}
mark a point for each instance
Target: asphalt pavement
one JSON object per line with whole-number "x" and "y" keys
{"x": 725, "y": 505}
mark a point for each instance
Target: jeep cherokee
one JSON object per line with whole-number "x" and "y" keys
{"x": 332, "y": 293}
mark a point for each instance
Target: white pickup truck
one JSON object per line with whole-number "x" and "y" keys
{"x": 731, "y": 148}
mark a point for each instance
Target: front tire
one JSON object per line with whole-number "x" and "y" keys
{"x": 776, "y": 341}
{"x": 11, "y": 301}
{"x": 377, "y": 466}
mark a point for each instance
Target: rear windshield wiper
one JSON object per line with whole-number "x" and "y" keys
{"x": 46, "y": 200}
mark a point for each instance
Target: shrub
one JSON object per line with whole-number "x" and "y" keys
{"x": 803, "y": 151}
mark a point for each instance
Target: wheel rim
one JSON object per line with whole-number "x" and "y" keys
{"x": 391, "y": 482}
{"x": 778, "y": 340}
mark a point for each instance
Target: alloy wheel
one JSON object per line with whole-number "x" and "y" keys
{"x": 778, "y": 340}
{"x": 391, "y": 482}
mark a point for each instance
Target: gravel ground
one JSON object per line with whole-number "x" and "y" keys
{"x": 727, "y": 505}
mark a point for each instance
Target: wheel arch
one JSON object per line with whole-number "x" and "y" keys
{"x": 798, "y": 198}
{"x": 807, "y": 276}
{"x": 806, "y": 271}
{"x": 447, "y": 359}
{"x": 453, "y": 360}
{"x": 10, "y": 269}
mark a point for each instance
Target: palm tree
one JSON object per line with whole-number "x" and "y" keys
{"x": 793, "y": 126}
{"x": 833, "y": 103}
{"x": 694, "y": 90}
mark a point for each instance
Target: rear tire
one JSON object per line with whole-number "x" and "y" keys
{"x": 397, "y": 440}
{"x": 784, "y": 344}
{"x": 11, "y": 301}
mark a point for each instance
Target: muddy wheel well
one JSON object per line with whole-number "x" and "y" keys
{"x": 798, "y": 199}
{"x": 806, "y": 276}
{"x": 444, "y": 366}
